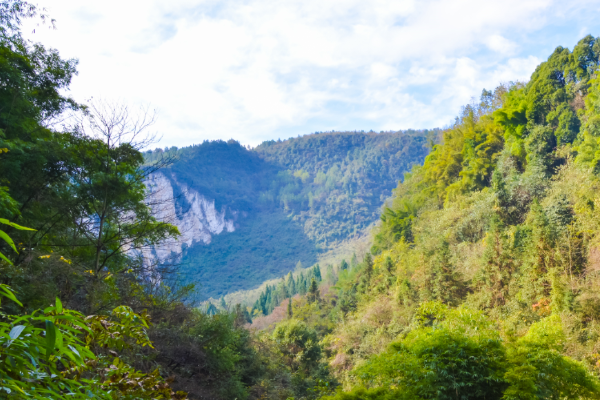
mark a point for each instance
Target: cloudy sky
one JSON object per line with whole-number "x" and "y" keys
{"x": 255, "y": 70}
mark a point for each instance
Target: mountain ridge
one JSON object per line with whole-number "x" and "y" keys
{"x": 288, "y": 201}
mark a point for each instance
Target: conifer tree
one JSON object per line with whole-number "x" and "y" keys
{"x": 291, "y": 284}
{"x": 223, "y": 304}
{"x": 302, "y": 285}
{"x": 343, "y": 265}
{"x": 405, "y": 293}
{"x": 317, "y": 273}
{"x": 290, "y": 313}
{"x": 241, "y": 315}
{"x": 313, "y": 291}
{"x": 285, "y": 292}
{"x": 211, "y": 309}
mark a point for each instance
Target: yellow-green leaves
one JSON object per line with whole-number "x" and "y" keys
{"x": 7, "y": 238}
{"x": 6, "y": 291}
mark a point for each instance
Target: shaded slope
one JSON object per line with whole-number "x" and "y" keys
{"x": 290, "y": 200}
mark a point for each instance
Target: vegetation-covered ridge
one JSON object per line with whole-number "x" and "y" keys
{"x": 292, "y": 199}
{"x": 483, "y": 281}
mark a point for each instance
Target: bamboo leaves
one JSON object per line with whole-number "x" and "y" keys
{"x": 7, "y": 238}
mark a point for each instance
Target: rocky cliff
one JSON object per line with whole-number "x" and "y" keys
{"x": 198, "y": 220}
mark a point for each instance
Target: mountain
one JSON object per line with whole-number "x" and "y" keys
{"x": 249, "y": 215}
{"x": 482, "y": 281}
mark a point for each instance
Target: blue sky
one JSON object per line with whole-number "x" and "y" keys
{"x": 255, "y": 70}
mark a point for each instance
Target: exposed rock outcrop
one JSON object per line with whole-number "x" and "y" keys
{"x": 198, "y": 221}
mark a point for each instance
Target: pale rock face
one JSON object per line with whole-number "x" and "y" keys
{"x": 196, "y": 224}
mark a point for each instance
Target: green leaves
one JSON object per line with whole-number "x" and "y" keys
{"x": 7, "y": 238}
{"x": 6, "y": 291}
{"x": 17, "y": 226}
{"x": 42, "y": 356}
{"x": 50, "y": 338}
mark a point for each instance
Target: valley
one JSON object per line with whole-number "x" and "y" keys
{"x": 247, "y": 216}
{"x": 434, "y": 264}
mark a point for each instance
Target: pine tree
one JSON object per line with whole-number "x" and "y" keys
{"x": 284, "y": 292}
{"x": 223, "y": 304}
{"x": 405, "y": 294}
{"x": 290, "y": 313}
{"x": 344, "y": 265}
{"x": 313, "y": 291}
{"x": 268, "y": 300}
{"x": 241, "y": 316}
{"x": 211, "y": 309}
{"x": 302, "y": 285}
{"x": 317, "y": 273}
{"x": 291, "y": 284}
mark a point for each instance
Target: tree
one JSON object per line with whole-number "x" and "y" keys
{"x": 291, "y": 284}
{"x": 45, "y": 354}
{"x": 7, "y": 238}
{"x": 317, "y": 273}
{"x": 313, "y": 291}
{"x": 343, "y": 265}
{"x": 388, "y": 265}
{"x": 290, "y": 313}
{"x": 368, "y": 262}
{"x": 298, "y": 344}
{"x": 211, "y": 309}
{"x": 107, "y": 199}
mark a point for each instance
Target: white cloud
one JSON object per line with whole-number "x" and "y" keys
{"x": 257, "y": 69}
{"x": 501, "y": 45}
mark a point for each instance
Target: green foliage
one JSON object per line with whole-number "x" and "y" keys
{"x": 290, "y": 200}
{"x": 265, "y": 246}
{"x": 540, "y": 371}
{"x": 44, "y": 355}
{"x": 7, "y": 238}
{"x": 458, "y": 353}
{"x": 298, "y": 343}
{"x": 272, "y": 296}
{"x": 499, "y": 227}
{"x": 41, "y": 353}
{"x": 451, "y": 354}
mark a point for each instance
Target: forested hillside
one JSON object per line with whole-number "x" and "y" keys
{"x": 483, "y": 280}
{"x": 291, "y": 200}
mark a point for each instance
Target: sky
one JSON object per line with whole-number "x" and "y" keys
{"x": 256, "y": 70}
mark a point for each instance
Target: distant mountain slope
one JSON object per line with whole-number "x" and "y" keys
{"x": 346, "y": 176}
{"x": 284, "y": 201}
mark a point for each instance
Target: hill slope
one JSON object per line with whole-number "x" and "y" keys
{"x": 287, "y": 201}
{"x": 483, "y": 280}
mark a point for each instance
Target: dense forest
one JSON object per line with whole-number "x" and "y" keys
{"x": 482, "y": 281}
{"x": 291, "y": 200}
